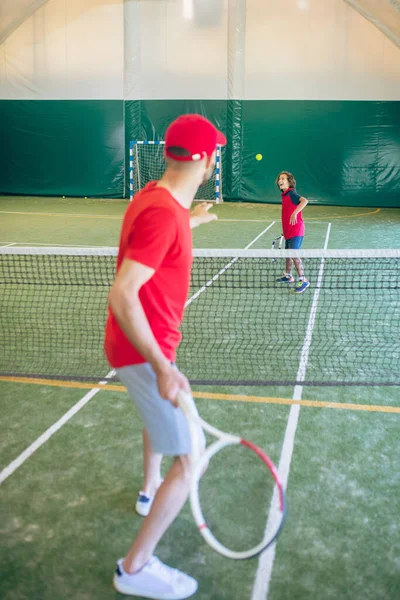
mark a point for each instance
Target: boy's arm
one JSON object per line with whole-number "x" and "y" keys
{"x": 293, "y": 217}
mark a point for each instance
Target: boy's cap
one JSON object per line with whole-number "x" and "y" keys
{"x": 194, "y": 133}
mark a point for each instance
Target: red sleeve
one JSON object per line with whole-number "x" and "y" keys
{"x": 152, "y": 234}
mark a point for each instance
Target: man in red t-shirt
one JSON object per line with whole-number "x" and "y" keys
{"x": 146, "y": 305}
{"x": 293, "y": 228}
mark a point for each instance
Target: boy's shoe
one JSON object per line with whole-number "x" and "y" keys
{"x": 143, "y": 504}
{"x": 302, "y": 285}
{"x": 285, "y": 279}
{"x": 155, "y": 580}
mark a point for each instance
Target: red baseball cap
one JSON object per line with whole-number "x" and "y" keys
{"x": 194, "y": 133}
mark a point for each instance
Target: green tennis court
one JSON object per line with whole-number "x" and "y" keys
{"x": 68, "y": 506}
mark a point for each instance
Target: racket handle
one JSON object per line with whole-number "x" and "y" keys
{"x": 188, "y": 407}
{"x": 186, "y": 403}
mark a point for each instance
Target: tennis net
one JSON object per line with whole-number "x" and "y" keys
{"x": 241, "y": 326}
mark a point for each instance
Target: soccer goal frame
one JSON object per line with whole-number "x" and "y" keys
{"x": 147, "y": 163}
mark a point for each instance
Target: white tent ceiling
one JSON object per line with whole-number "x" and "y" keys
{"x": 384, "y": 14}
{"x": 15, "y": 12}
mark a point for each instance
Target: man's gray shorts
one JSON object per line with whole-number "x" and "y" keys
{"x": 166, "y": 425}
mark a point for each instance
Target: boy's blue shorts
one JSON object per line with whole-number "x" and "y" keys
{"x": 294, "y": 243}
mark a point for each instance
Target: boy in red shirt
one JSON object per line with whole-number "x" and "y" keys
{"x": 146, "y": 308}
{"x": 293, "y": 228}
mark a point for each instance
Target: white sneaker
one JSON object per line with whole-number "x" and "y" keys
{"x": 143, "y": 504}
{"x": 155, "y": 580}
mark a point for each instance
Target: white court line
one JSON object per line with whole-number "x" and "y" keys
{"x": 56, "y": 214}
{"x": 7, "y": 244}
{"x": 15, "y": 464}
{"x": 40, "y": 244}
{"x": 225, "y": 268}
{"x": 309, "y": 222}
{"x": 266, "y": 560}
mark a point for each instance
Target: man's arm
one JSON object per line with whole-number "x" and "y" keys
{"x": 128, "y": 310}
{"x": 293, "y": 217}
{"x": 200, "y": 215}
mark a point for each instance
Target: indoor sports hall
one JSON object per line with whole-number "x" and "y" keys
{"x": 312, "y": 87}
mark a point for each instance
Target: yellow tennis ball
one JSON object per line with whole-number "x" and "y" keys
{"x": 258, "y": 156}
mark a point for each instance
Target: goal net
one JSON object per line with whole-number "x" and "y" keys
{"x": 147, "y": 163}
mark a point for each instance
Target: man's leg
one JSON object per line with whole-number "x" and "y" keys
{"x": 167, "y": 504}
{"x": 152, "y": 477}
{"x": 151, "y": 467}
{"x": 140, "y": 573}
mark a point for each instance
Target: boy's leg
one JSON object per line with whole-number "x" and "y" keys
{"x": 289, "y": 261}
{"x": 289, "y": 266}
{"x": 295, "y": 243}
{"x": 303, "y": 282}
{"x": 299, "y": 267}
{"x": 287, "y": 276}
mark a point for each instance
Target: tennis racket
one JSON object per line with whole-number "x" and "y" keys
{"x": 277, "y": 244}
{"x": 199, "y": 461}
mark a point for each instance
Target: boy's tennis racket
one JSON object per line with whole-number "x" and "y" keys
{"x": 199, "y": 463}
{"x": 277, "y": 244}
